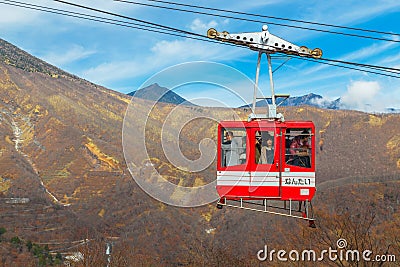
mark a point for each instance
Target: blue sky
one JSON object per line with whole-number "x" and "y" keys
{"x": 122, "y": 59}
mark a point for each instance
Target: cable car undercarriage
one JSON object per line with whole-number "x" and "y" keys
{"x": 295, "y": 209}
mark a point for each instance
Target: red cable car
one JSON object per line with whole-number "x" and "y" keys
{"x": 267, "y": 160}
{"x": 260, "y": 159}
{"x": 267, "y": 164}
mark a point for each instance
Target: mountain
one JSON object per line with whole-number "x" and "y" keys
{"x": 154, "y": 91}
{"x": 63, "y": 176}
{"x": 393, "y": 110}
{"x": 309, "y": 99}
{"x": 335, "y": 104}
{"x": 312, "y": 100}
{"x": 13, "y": 56}
{"x": 65, "y": 183}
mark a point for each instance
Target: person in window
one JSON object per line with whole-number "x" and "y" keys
{"x": 258, "y": 147}
{"x": 299, "y": 149}
{"x": 242, "y": 155}
{"x": 232, "y": 146}
{"x": 267, "y": 151}
{"x": 228, "y": 138}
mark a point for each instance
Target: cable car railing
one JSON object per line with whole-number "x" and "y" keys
{"x": 263, "y": 206}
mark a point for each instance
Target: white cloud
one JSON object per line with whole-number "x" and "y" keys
{"x": 201, "y": 27}
{"x": 163, "y": 54}
{"x": 319, "y": 76}
{"x": 372, "y": 50}
{"x": 361, "y": 95}
{"x": 323, "y": 102}
{"x": 106, "y": 73}
{"x": 393, "y": 59}
{"x": 227, "y": 87}
{"x": 76, "y": 52}
{"x": 167, "y": 51}
{"x": 368, "y": 53}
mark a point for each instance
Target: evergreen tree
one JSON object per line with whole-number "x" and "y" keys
{"x": 29, "y": 245}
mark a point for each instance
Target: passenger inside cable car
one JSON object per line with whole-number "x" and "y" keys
{"x": 264, "y": 147}
{"x": 298, "y": 147}
{"x": 233, "y": 147}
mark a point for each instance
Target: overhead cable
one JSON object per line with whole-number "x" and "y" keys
{"x": 122, "y": 23}
{"x": 273, "y": 17}
{"x": 259, "y": 21}
{"x": 159, "y": 28}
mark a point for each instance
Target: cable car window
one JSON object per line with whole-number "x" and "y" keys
{"x": 264, "y": 147}
{"x": 298, "y": 147}
{"x": 233, "y": 147}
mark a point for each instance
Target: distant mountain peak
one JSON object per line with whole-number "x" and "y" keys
{"x": 155, "y": 92}
{"x": 309, "y": 99}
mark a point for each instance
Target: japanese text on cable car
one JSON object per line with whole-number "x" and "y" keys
{"x": 297, "y": 181}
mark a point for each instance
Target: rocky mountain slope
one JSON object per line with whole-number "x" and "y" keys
{"x": 63, "y": 176}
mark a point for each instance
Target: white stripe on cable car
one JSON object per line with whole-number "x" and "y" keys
{"x": 233, "y": 173}
{"x": 247, "y": 177}
{"x": 310, "y": 175}
{"x": 233, "y": 183}
{"x": 236, "y": 173}
{"x": 247, "y": 184}
{"x": 236, "y": 178}
{"x": 259, "y": 184}
{"x": 299, "y": 174}
{"x": 242, "y": 183}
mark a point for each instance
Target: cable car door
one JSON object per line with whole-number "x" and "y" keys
{"x": 265, "y": 178}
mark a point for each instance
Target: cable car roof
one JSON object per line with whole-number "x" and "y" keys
{"x": 266, "y": 123}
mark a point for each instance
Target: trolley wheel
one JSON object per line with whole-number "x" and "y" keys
{"x": 311, "y": 223}
{"x": 212, "y": 33}
{"x": 219, "y": 206}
